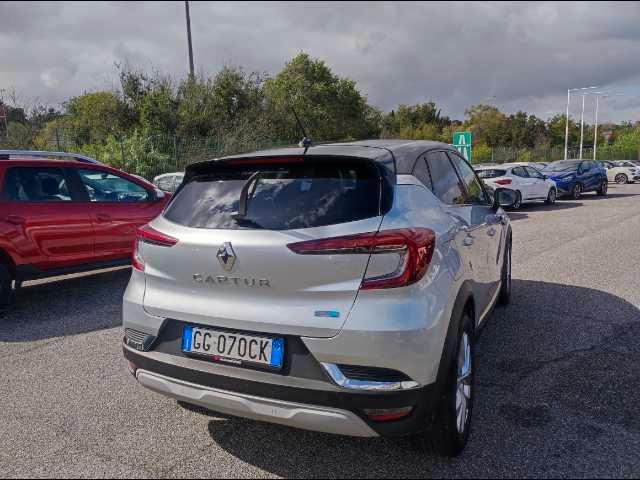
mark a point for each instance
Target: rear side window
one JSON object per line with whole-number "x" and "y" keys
{"x": 446, "y": 184}
{"x": 36, "y": 184}
{"x": 520, "y": 172}
{"x": 286, "y": 197}
{"x": 421, "y": 172}
{"x": 470, "y": 180}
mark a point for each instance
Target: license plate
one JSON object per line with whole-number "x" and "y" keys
{"x": 233, "y": 348}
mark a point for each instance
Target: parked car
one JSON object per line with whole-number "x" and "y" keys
{"x": 527, "y": 182}
{"x": 574, "y": 177}
{"x": 169, "y": 182}
{"x": 65, "y": 216}
{"x": 622, "y": 172}
{"x": 338, "y": 289}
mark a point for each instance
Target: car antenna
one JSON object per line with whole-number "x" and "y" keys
{"x": 306, "y": 142}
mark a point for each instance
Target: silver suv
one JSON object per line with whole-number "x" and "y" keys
{"x": 337, "y": 289}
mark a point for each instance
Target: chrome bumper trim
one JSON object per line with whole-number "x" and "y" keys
{"x": 339, "y": 379}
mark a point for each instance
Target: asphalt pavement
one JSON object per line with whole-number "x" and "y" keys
{"x": 557, "y": 392}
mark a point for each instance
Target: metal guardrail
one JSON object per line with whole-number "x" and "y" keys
{"x": 45, "y": 154}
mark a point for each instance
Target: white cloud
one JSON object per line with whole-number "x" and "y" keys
{"x": 458, "y": 54}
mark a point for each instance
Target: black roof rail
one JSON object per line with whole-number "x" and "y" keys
{"x": 7, "y": 154}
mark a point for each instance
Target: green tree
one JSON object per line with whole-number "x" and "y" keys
{"x": 487, "y": 124}
{"x": 331, "y": 107}
{"x": 556, "y": 127}
{"x": 92, "y": 117}
{"x": 525, "y": 131}
{"x": 159, "y": 111}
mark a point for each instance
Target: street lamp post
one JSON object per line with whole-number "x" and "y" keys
{"x": 566, "y": 131}
{"x": 595, "y": 131}
{"x": 582, "y": 125}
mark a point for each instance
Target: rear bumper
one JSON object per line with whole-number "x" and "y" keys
{"x": 316, "y": 418}
{"x": 327, "y": 408}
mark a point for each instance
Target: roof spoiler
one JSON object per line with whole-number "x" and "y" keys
{"x": 6, "y": 154}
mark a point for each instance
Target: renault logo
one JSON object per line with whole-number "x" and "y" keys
{"x": 226, "y": 256}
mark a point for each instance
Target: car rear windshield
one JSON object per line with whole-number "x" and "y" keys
{"x": 278, "y": 197}
{"x": 491, "y": 173}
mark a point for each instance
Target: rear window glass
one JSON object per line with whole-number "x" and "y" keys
{"x": 492, "y": 173}
{"x": 282, "y": 198}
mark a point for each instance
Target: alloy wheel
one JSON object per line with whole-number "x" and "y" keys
{"x": 463, "y": 385}
{"x": 518, "y": 203}
{"x": 577, "y": 191}
{"x": 621, "y": 178}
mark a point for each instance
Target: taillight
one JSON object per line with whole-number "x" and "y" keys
{"x": 149, "y": 235}
{"x": 504, "y": 181}
{"x": 407, "y": 251}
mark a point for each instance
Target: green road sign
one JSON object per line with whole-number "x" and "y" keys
{"x": 462, "y": 142}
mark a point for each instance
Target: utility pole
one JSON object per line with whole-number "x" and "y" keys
{"x": 3, "y": 114}
{"x": 186, "y": 8}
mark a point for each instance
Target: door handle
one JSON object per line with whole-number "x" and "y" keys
{"x": 491, "y": 232}
{"x": 16, "y": 219}
{"x": 103, "y": 217}
{"x": 468, "y": 241}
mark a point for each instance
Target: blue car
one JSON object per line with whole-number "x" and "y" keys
{"x": 574, "y": 177}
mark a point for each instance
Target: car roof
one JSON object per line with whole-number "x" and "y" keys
{"x": 493, "y": 167}
{"x": 403, "y": 152}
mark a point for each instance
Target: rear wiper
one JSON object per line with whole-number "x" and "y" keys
{"x": 244, "y": 197}
{"x": 244, "y": 194}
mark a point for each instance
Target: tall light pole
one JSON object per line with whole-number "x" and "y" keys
{"x": 595, "y": 131}
{"x": 566, "y": 130}
{"x": 186, "y": 9}
{"x": 582, "y": 125}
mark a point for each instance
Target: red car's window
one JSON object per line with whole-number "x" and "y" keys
{"x": 108, "y": 188}
{"x": 36, "y": 184}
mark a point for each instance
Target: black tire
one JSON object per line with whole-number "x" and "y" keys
{"x": 621, "y": 179}
{"x": 518, "y": 204}
{"x": 552, "y": 196}
{"x": 445, "y": 438}
{"x": 6, "y": 292}
{"x": 576, "y": 192}
{"x": 604, "y": 188}
{"x": 504, "y": 297}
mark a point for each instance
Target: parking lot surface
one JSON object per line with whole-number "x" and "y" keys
{"x": 557, "y": 385}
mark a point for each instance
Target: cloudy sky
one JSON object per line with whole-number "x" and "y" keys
{"x": 513, "y": 55}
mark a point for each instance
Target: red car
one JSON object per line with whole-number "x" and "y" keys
{"x": 67, "y": 216}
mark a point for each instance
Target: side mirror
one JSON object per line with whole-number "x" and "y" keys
{"x": 504, "y": 198}
{"x": 159, "y": 194}
{"x": 545, "y": 177}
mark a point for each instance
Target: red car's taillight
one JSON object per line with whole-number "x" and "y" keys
{"x": 149, "y": 235}
{"x": 413, "y": 246}
{"x": 504, "y": 181}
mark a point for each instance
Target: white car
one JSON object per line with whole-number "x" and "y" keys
{"x": 169, "y": 182}
{"x": 622, "y": 171}
{"x": 529, "y": 184}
